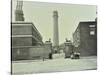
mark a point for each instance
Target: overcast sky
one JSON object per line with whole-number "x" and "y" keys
{"x": 41, "y": 14}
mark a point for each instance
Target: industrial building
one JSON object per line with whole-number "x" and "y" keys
{"x": 85, "y": 38}
{"x": 26, "y": 40}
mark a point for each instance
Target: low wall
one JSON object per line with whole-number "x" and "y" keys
{"x": 39, "y": 52}
{"x": 29, "y": 53}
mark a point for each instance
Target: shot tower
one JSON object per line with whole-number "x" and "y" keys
{"x": 55, "y": 32}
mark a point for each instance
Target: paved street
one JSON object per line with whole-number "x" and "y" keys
{"x": 54, "y": 65}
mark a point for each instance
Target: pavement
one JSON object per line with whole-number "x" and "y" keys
{"x": 54, "y": 65}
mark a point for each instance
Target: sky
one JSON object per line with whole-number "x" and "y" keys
{"x": 41, "y": 14}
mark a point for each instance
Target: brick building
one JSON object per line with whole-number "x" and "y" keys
{"x": 24, "y": 36}
{"x": 26, "y": 41}
{"x": 85, "y": 38}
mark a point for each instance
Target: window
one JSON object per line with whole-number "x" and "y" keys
{"x": 92, "y": 32}
{"x": 92, "y": 29}
{"x": 91, "y": 25}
